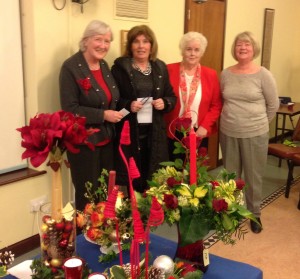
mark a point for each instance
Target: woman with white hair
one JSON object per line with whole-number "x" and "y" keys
{"x": 197, "y": 87}
{"x": 88, "y": 89}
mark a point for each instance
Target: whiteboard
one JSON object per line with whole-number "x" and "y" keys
{"x": 12, "y": 105}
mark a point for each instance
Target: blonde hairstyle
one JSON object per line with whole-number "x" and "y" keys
{"x": 193, "y": 36}
{"x": 95, "y": 27}
{"x": 246, "y": 37}
{"x": 148, "y": 33}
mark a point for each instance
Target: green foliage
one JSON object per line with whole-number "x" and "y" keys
{"x": 198, "y": 274}
{"x": 100, "y": 194}
{"x": 111, "y": 255}
{"x": 117, "y": 272}
{"x": 3, "y": 271}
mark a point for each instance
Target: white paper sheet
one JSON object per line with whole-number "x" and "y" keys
{"x": 144, "y": 115}
{"x": 21, "y": 270}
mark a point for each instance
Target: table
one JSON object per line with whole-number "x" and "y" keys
{"x": 284, "y": 111}
{"x": 219, "y": 268}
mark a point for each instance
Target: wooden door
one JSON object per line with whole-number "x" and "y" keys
{"x": 208, "y": 18}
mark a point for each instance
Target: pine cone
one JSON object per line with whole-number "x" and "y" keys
{"x": 155, "y": 273}
{"x": 127, "y": 269}
{"x": 6, "y": 258}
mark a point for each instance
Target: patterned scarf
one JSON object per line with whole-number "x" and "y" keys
{"x": 188, "y": 99}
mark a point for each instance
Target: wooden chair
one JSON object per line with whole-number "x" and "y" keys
{"x": 284, "y": 152}
{"x": 296, "y": 162}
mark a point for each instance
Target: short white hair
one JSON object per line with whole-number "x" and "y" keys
{"x": 193, "y": 36}
{"x": 95, "y": 27}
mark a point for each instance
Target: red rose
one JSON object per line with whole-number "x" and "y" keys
{"x": 187, "y": 268}
{"x": 219, "y": 205}
{"x": 202, "y": 151}
{"x": 183, "y": 123}
{"x": 171, "y": 201}
{"x": 186, "y": 142}
{"x": 240, "y": 183}
{"x": 214, "y": 184}
{"x": 171, "y": 181}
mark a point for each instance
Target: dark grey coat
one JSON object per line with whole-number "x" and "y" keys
{"x": 91, "y": 103}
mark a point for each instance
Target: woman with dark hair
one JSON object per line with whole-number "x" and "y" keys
{"x": 88, "y": 89}
{"x": 146, "y": 93}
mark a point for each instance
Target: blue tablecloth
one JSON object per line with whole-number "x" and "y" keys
{"x": 219, "y": 268}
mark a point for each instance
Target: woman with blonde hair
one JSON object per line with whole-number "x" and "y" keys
{"x": 250, "y": 103}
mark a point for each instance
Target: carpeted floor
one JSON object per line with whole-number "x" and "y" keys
{"x": 276, "y": 250}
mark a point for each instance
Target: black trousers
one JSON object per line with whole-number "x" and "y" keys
{"x": 87, "y": 166}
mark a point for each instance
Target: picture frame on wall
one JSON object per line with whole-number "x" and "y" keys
{"x": 267, "y": 38}
{"x": 123, "y": 40}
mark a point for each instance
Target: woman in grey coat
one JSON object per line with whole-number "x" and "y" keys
{"x": 88, "y": 89}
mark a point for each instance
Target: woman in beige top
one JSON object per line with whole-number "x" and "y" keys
{"x": 250, "y": 102}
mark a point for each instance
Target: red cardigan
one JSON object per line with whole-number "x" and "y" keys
{"x": 211, "y": 103}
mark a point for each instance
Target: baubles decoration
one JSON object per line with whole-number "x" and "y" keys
{"x": 57, "y": 237}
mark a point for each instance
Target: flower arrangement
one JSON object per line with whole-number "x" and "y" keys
{"x": 99, "y": 229}
{"x": 51, "y": 135}
{"x": 197, "y": 203}
{"x": 201, "y": 205}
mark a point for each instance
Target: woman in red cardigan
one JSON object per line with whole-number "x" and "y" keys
{"x": 197, "y": 88}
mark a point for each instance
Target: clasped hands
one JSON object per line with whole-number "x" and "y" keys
{"x": 137, "y": 105}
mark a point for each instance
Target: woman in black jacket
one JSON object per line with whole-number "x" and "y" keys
{"x": 145, "y": 92}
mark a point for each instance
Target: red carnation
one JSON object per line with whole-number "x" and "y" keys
{"x": 85, "y": 84}
{"x": 219, "y": 205}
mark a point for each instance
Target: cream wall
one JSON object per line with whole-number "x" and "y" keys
{"x": 249, "y": 15}
{"x": 50, "y": 36}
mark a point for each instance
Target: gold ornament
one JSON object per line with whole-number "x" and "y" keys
{"x": 44, "y": 228}
{"x": 113, "y": 236}
{"x": 56, "y": 262}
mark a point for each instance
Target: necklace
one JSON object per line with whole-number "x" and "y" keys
{"x": 146, "y": 72}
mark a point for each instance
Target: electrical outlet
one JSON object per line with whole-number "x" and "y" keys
{"x": 36, "y": 203}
